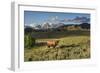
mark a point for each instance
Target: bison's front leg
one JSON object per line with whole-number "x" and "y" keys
{"x": 54, "y": 46}
{"x": 48, "y": 46}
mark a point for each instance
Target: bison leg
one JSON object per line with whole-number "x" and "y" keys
{"x": 54, "y": 46}
{"x": 48, "y": 46}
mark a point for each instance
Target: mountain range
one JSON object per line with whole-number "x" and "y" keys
{"x": 58, "y": 25}
{"x": 46, "y": 26}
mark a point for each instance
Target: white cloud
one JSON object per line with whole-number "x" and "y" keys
{"x": 26, "y": 24}
{"x": 31, "y": 25}
{"x": 54, "y": 18}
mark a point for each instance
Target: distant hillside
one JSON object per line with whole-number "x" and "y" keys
{"x": 75, "y": 26}
{"x": 47, "y": 27}
{"x": 85, "y": 26}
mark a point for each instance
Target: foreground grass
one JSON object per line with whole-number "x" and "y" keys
{"x": 70, "y": 47}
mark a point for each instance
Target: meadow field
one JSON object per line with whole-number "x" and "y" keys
{"x": 72, "y": 45}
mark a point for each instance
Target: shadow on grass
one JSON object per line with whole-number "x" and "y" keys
{"x": 65, "y": 46}
{"x": 57, "y": 34}
{"x": 39, "y": 44}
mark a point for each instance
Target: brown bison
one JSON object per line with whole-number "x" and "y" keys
{"x": 52, "y": 43}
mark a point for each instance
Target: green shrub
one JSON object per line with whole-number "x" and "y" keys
{"x": 29, "y": 41}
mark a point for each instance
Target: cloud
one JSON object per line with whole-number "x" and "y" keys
{"x": 53, "y": 19}
{"x": 31, "y": 25}
{"x": 77, "y": 20}
{"x": 66, "y": 20}
{"x": 81, "y": 20}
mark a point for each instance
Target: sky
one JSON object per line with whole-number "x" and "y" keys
{"x": 38, "y": 18}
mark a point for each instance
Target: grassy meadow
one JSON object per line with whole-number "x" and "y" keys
{"x": 72, "y": 45}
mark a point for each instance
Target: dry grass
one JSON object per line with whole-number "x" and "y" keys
{"x": 70, "y": 47}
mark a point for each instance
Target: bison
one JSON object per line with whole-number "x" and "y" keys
{"x": 52, "y": 43}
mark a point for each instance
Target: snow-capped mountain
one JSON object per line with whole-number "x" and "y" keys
{"x": 51, "y": 25}
{"x": 46, "y": 25}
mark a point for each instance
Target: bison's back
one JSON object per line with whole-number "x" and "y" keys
{"x": 52, "y": 43}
